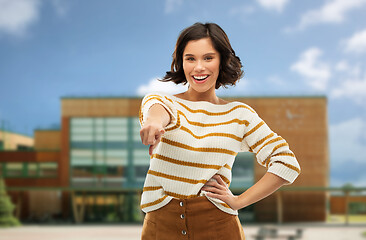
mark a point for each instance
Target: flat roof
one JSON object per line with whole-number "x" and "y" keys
{"x": 222, "y": 96}
{"x": 12, "y": 132}
{"x": 47, "y": 129}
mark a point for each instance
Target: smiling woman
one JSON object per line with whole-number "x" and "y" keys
{"x": 219, "y": 48}
{"x": 194, "y": 138}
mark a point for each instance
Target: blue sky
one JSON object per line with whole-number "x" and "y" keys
{"x": 55, "y": 48}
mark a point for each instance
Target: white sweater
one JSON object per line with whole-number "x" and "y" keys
{"x": 202, "y": 140}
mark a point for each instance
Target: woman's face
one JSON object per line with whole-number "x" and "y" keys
{"x": 201, "y": 64}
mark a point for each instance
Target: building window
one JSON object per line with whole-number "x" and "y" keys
{"x": 32, "y": 170}
{"x": 48, "y": 169}
{"x": 14, "y": 170}
{"x": 136, "y": 130}
{"x": 243, "y": 170}
{"x": 141, "y": 161}
{"x": 98, "y": 151}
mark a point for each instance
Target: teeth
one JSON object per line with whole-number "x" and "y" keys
{"x": 200, "y": 77}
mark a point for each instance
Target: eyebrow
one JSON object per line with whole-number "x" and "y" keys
{"x": 190, "y": 55}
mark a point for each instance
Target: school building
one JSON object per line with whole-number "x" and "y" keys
{"x": 93, "y": 168}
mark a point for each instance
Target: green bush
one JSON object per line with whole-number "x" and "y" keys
{"x": 7, "y": 218}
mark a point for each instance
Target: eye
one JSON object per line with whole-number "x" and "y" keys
{"x": 190, "y": 59}
{"x": 208, "y": 58}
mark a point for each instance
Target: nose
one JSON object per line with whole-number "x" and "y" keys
{"x": 199, "y": 67}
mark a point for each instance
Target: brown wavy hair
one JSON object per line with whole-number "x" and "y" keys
{"x": 230, "y": 64}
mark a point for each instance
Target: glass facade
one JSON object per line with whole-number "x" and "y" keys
{"x": 243, "y": 170}
{"x": 14, "y": 169}
{"x": 48, "y": 169}
{"x": 29, "y": 170}
{"x": 104, "y": 152}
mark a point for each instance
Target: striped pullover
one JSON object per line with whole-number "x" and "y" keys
{"x": 201, "y": 140}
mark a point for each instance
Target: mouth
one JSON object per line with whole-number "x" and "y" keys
{"x": 200, "y": 78}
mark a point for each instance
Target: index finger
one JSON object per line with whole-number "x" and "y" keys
{"x": 219, "y": 179}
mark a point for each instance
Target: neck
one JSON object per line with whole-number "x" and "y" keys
{"x": 209, "y": 96}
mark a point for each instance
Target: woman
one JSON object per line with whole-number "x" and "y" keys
{"x": 194, "y": 137}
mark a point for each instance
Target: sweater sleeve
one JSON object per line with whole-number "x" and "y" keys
{"x": 271, "y": 150}
{"x": 157, "y": 98}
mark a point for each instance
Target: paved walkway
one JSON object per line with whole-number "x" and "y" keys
{"x": 132, "y": 232}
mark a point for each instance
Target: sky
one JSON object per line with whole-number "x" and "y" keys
{"x": 55, "y": 48}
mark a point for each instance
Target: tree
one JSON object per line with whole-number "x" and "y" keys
{"x": 7, "y": 218}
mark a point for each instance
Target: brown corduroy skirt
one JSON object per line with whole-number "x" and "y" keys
{"x": 194, "y": 219}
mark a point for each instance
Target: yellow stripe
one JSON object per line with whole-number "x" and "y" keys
{"x": 140, "y": 115}
{"x": 225, "y": 205}
{"x": 253, "y": 129}
{"x": 168, "y": 99}
{"x": 279, "y": 145}
{"x": 159, "y": 99}
{"x": 269, "y": 142}
{"x": 184, "y": 163}
{"x": 227, "y": 166}
{"x": 176, "y": 178}
{"x": 152, "y": 188}
{"x": 142, "y": 106}
{"x": 212, "y": 134}
{"x": 181, "y": 145}
{"x": 153, "y": 203}
{"x": 242, "y": 106}
{"x": 289, "y": 166}
{"x": 236, "y": 120}
{"x": 279, "y": 154}
{"x": 284, "y": 154}
{"x": 177, "y": 125}
{"x": 212, "y": 113}
{"x": 273, "y": 150}
{"x": 181, "y": 196}
{"x": 225, "y": 179}
{"x": 151, "y": 98}
{"x": 261, "y": 141}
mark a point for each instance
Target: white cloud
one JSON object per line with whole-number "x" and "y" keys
{"x": 277, "y": 5}
{"x": 172, "y": 5}
{"x": 356, "y": 43}
{"x": 353, "y": 70}
{"x": 157, "y": 86}
{"x": 348, "y": 141}
{"x": 352, "y": 87}
{"x": 240, "y": 88}
{"x": 332, "y": 12}
{"x": 276, "y": 80}
{"x": 17, "y": 16}
{"x": 342, "y": 66}
{"x": 316, "y": 72}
